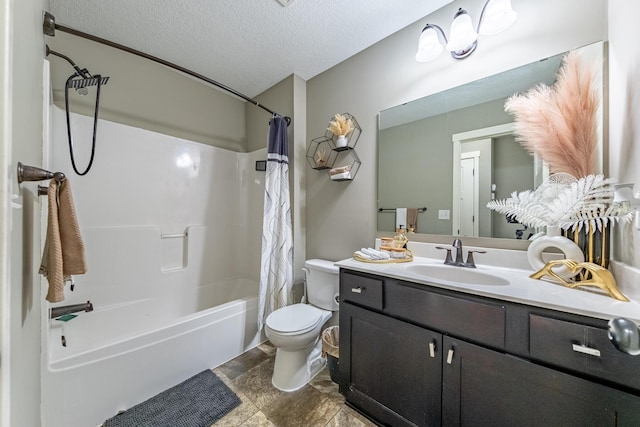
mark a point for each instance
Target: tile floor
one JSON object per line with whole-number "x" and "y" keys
{"x": 318, "y": 404}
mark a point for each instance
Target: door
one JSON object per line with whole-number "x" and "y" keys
{"x": 393, "y": 368}
{"x": 485, "y": 388}
{"x": 469, "y": 193}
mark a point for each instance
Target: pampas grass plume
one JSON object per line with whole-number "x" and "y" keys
{"x": 559, "y": 123}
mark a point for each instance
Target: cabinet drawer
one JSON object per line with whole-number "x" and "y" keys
{"x": 581, "y": 348}
{"x": 361, "y": 290}
{"x": 470, "y": 318}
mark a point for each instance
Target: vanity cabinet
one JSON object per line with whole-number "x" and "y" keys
{"x": 416, "y": 355}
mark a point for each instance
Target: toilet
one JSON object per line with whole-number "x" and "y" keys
{"x": 295, "y": 329}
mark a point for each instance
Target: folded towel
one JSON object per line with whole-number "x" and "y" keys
{"x": 375, "y": 254}
{"x": 401, "y": 218}
{"x": 412, "y": 219}
{"x": 340, "y": 170}
{"x": 362, "y": 255}
{"x": 63, "y": 253}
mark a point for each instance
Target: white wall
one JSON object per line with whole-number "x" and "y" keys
{"x": 22, "y": 125}
{"x": 341, "y": 217}
{"x": 145, "y": 184}
{"x": 624, "y": 113}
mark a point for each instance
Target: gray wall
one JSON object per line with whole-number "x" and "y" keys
{"x": 341, "y": 217}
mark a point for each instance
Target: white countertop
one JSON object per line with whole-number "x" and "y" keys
{"x": 521, "y": 288}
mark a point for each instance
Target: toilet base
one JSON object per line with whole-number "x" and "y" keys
{"x": 294, "y": 369}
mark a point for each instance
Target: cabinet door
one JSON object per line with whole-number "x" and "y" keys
{"x": 393, "y": 368}
{"x": 483, "y": 387}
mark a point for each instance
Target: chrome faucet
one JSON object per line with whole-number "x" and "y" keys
{"x": 457, "y": 244}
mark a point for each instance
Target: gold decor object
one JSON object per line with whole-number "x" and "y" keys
{"x": 593, "y": 241}
{"x": 596, "y": 275}
{"x": 321, "y": 157}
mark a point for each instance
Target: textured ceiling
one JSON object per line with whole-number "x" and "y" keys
{"x": 249, "y": 45}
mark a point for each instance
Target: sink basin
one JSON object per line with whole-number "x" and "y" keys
{"x": 465, "y": 275}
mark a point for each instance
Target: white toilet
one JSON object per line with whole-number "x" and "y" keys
{"x": 295, "y": 330}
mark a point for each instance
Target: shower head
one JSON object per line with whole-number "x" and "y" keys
{"x": 81, "y": 84}
{"x": 84, "y": 78}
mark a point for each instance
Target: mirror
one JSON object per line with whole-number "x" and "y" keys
{"x": 467, "y": 130}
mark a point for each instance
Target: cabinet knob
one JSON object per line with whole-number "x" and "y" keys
{"x": 450, "y": 355}
{"x": 357, "y": 290}
{"x": 432, "y": 349}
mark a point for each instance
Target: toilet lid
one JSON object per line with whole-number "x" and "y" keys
{"x": 294, "y": 318}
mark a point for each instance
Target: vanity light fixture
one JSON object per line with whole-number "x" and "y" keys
{"x": 496, "y": 16}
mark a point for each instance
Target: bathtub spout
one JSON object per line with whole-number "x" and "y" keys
{"x": 68, "y": 309}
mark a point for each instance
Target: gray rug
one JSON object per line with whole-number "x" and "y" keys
{"x": 197, "y": 402}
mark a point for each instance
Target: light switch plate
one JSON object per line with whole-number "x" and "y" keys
{"x": 444, "y": 214}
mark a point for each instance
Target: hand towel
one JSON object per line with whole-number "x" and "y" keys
{"x": 412, "y": 219}
{"x": 63, "y": 253}
{"x": 401, "y": 218}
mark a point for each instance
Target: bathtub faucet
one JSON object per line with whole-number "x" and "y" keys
{"x": 68, "y": 309}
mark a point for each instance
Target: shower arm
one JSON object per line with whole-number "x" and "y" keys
{"x": 84, "y": 73}
{"x": 49, "y": 27}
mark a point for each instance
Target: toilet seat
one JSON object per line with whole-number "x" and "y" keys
{"x": 294, "y": 319}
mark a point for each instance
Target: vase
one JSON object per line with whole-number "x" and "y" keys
{"x": 341, "y": 141}
{"x": 554, "y": 239}
{"x": 594, "y": 244}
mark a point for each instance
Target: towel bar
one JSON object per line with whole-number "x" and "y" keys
{"x": 393, "y": 210}
{"x": 33, "y": 173}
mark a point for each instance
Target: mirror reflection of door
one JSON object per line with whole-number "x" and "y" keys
{"x": 500, "y": 166}
{"x": 469, "y": 192}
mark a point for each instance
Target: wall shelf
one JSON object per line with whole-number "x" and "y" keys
{"x": 340, "y": 161}
{"x": 352, "y": 137}
{"x": 345, "y": 167}
{"x": 320, "y": 154}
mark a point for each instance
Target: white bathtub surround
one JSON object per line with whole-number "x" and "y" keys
{"x": 172, "y": 237}
{"x": 276, "y": 269}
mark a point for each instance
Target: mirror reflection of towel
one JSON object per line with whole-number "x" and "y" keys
{"x": 63, "y": 249}
{"x": 412, "y": 219}
{"x": 401, "y": 218}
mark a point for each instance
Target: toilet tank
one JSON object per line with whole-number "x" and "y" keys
{"x": 322, "y": 283}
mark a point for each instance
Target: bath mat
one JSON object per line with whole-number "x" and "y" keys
{"x": 197, "y": 402}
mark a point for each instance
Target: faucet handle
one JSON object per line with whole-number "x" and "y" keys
{"x": 470, "y": 261}
{"x": 448, "y": 259}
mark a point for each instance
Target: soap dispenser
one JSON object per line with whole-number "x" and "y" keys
{"x": 400, "y": 239}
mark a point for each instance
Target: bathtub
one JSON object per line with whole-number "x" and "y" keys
{"x": 121, "y": 354}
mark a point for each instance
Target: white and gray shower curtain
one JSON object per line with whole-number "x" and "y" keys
{"x": 276, "y": 267}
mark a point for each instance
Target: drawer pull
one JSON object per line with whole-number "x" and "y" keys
{"x": 357, "y": 290}
{"x": 450, "y": 356}
{"x": 586, "y": 350}
{"x": 432, "y": 349}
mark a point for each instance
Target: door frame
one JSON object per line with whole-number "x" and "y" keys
{"x": 458, "y": 139}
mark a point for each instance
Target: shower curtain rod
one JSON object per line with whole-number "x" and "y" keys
{"x": 49, "y": 27}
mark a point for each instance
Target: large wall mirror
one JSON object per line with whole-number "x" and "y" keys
{"x": 453, "y": 151}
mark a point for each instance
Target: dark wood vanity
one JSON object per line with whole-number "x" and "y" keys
{"x": 418, "y": 355}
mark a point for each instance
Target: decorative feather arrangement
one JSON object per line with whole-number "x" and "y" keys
{"x": 559, "y": 123}
{"x": 587, "y": 201}
{"x": 340, "y": 125}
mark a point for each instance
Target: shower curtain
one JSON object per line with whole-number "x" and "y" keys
{"x": 276, "y": 266}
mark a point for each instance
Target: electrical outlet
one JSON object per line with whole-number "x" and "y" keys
{"x": 444, "y": 214}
